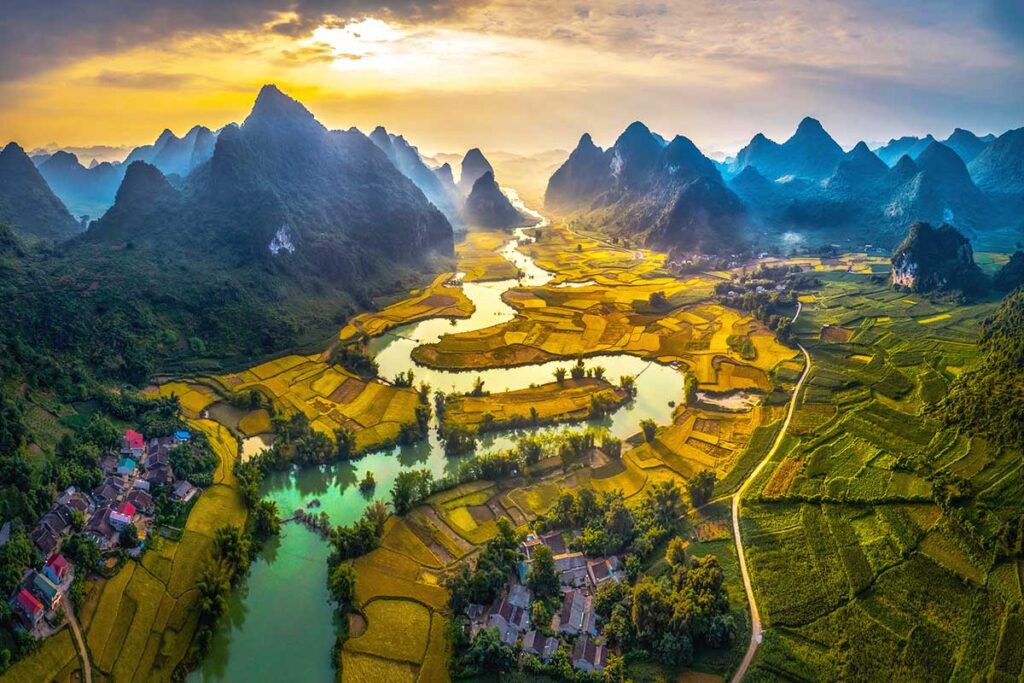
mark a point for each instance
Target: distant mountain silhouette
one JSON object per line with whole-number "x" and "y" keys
{"x": 667, "y": 194}
{"x": 966, "y": 144}
{"x": 474, "y": 165}
{"x": 1011, "y": 275}
{"x": 487, "y": 207}
{"x": 908, "y": 145}
{"x": 999, "y": 168}
{"x": 174, "y": 155}
{"x": 406, "y": 159}
{"x": 26, "y": 201}
{"x": 941, "y": 192}
{"x": 281, "y": 178}
{"x": 810, "y": 153}
{"x": 85, "y": 191}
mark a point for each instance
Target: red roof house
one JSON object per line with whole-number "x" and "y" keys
{"x": 126, "y": 509}
{"x": 29, "y": 607}
{"x": 58, "y": 567}
{"x": 133, "y": 443}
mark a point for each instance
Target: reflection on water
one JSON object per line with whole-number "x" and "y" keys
{"x": 279, "y": 623}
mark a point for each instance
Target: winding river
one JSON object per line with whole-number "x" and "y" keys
{"x": 280, "y": 625}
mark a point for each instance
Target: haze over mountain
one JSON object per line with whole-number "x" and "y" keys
{"x": 26, "y": 201}
{"x": 487, "y": 207}
{"x": 85, "y": 191}
{"x": 665, "y": 194}
{"x": 281, "y": 186}
{"x": 474, "y": 165}
{"x": 438, "y": 188}
{"x": 810, "y": 153}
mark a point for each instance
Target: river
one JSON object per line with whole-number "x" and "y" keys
{"x": 280, "y": 625}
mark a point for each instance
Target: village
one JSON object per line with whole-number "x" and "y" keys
{"x": 574, "y": 624}
{"x": 118, "y": 515}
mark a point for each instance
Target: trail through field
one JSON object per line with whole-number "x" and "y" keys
{"x": 83, "y": 653}
{"x": 756, "y": 630}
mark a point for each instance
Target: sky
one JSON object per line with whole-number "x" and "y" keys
{"x": 516, "y": 75}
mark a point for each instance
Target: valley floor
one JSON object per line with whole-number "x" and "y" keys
{"x": 858, "y": 572}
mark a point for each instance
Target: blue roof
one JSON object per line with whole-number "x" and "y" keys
{"x": 126, "y": 463}
{"x": 182, "y": 435}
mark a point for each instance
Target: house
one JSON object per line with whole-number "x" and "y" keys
{"x": 100, "y": 529}
{"x": 45, "y": 540}
{"x": 184, "y": 491}
{"x": 109, "y": 491}
{"x": 572, "y": 615}
{"x": 572, "y": 568}
{"x": 500, "y": 615}
{"x": 141, "y": 484}
{"x": 159, "y": 475}
{"x": 520, "y": 620}
{"x": 126, "y": 467}
{"x": 57, "y": 521}
{"x": 46, "y": 590}
{"x": 5, "y": 534}
{"x": 529, "y": 544}
{"x": 520, "y": 596}
{"x": 56, "y": 568}
{"x": 181, "y": 437}
{"x": 587, "y": 655}
{"x": 537, "y": 644}
{"x": 554, "y": 540}
{"x": 603, "y": 570}
{"x": 28, "y": 608}
{"x": 156, "y": 459}
{"x": 73, "y": 499}
{"x": 133, "y": 445}
{"x": 142, "y": 501}
{"x": 108, "y": 463}
{"x": 474, "y": 611}
{"x": 122, "y": 515}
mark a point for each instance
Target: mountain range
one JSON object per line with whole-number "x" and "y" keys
{"x": 644, "y": 186}
{"x": 666, "y": 193}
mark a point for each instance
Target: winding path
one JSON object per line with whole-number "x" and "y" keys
{"x": 82, "y": 652}
{"x": 756, "y": 630}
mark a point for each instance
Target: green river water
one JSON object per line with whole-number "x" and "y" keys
{"x": 280, "y": 625}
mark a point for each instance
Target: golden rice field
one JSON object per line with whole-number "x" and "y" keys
{"x": 138, "y": 624}
{"x": 479, "y": 259}
{"x": 554, "y": 402}
{"x": 331, "y": 397}
{"x": 577, "y": 258}
{"x": 438, "y": 300}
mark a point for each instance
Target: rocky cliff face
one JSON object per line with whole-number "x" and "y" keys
{"x": 936, "y": 260}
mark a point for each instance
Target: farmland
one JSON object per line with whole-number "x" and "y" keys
{"x": 439, "y": 300}
{"x": 570, "y": 400}
{"x": 139, "y": 623}
{"x": 860, "y": 571}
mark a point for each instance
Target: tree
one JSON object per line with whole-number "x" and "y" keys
{"x": 77, "y": 520}
{"x": 628, "y": 384}
{"x": 702, "y": 486}
{"x": 368, "y": 482}
{"x": 664, "y": 502}
{"x": 488, "y": 654}
{"x": 129, "y": 536}
{"x": 214, "y": 587}
{"x": 411, "y": 486}
{"x": 233, "y": 547}
{"x": 478, "y": 387}
{"x": 342, "y": 585}
{"x": 543, "y": 578}
{"x": 265, "y": 519}
{"x": 578, "y": 371}
{"x": 345, "y": 442}
{"x": 650, "y": 429}
{"x": 530, "y": 449}
{"x": 560, "y": 374}
{"x": 690, "y": 385}
{"x": 657, "y": 299}
{"x": 651, "y": 610}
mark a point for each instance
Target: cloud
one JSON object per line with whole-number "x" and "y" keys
{"x": 37, "y": 36}
{"x": 152, "y": 80}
